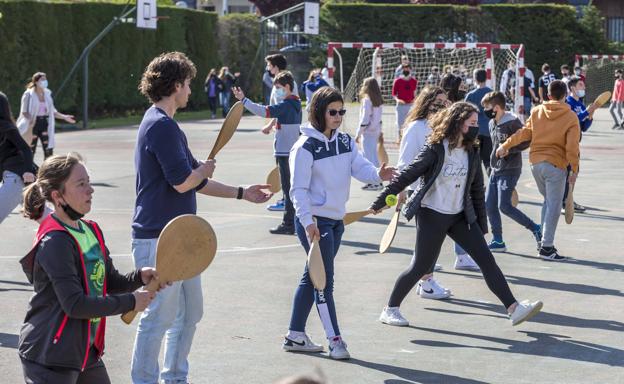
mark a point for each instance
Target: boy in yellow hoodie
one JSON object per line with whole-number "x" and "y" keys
{"x": 554, "y": 131}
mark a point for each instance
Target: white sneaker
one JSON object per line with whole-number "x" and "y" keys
{"x": 430, "y": 289}
{"x": 524, "y": 311}
{"x": 393, "y": 316}
{"x": 338, "y": 349}
{"x": 301, "y": 343}
{"x": 437, "y": 267}
{"x": 465, "y": 262}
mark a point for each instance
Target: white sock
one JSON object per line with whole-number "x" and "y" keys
{"x": 294, "y": 334}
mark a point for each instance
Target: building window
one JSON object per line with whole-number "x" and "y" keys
{"x": 615, "y": 28}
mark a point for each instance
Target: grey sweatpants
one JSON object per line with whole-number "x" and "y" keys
{"x": 616, "y": 112}
{"x": 551, "y": 184}
{"x": 401, "y": 113}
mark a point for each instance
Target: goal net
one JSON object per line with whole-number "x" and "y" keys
{"x": 599, "y": 71}
{"x": 428, "y": 62}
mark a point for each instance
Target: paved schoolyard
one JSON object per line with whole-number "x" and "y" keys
{"x": 578, "y": 338}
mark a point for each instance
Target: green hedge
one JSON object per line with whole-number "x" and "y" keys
{"x": 62, "y": 30}
{"x": 550, "y": 33}
{"x": 239, "y": 38}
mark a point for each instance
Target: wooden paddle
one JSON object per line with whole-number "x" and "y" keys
{"x": 316, "y": 268}
{"x": 228, "y": 128}
{"x": 514, "y": 198}
{"x": 602, "y": 99}
{"x": 569, "y": 205}
{"x": 381, "y": 151}
{"x": 388, "y": 236}
{"x": 185, "y": 248}
{"x": 273, "y": 179}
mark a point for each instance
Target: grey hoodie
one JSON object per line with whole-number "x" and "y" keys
{"x": 500, "y": 132}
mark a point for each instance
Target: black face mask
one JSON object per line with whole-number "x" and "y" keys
{"x": 473, "y": 132}
{"x": 71, "y": 212}
{"x": 489, "y": 113}
{"x": 406, "y": 73}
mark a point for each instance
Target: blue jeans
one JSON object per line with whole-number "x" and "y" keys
{"x": 498, "y": 199}
{"x": 331, "y": 233}
{"x": 10, "y": 193}
{"x": 175, "y": 311}
{"x": 225, "y": 101}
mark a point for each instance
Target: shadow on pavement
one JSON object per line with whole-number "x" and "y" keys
{"x": 543, "y": 344}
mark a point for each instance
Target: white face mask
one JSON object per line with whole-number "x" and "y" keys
{"x": 580, "y": 92}
{"x": 42, "y": 84}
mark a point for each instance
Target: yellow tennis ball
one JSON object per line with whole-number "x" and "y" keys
{"x": 391, "y": 200}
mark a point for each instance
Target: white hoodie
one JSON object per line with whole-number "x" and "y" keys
{"x": 320, "y": 174}
{"x": 413, "y": 141}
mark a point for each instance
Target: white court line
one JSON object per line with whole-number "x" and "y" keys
{"x": 231, "y": 250}
{"x": 120, "y": 211}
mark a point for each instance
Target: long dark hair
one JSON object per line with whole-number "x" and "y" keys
{"x": 447, "y": 124}
{"x": 6, "y": 117}
{"x": 451, "y": 83}
{"x": 422, "y": 105}
{"x": 318, "y": 106}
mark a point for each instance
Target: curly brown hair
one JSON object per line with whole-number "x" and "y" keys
{"x": 163, "y": 73}
{"x": 447, "y": 124}
{"x": 422, "y": 105}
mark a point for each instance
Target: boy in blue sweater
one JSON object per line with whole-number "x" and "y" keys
{"x": 576, "y": 86}
{"x": 288, "y": 115}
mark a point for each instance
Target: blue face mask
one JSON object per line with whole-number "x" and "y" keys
{"x": 580, "y": 92}
{"x": 280, "y": 93}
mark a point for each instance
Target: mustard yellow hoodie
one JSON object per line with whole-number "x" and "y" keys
{"x": 554, "y": 132}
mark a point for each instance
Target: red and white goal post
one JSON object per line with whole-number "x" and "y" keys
{"x": 460, "y": 57}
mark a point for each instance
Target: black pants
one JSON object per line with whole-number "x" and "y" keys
{"x": 212, "y": 104}
{"x": 94, "y": 373}
{"x": 40, "y": 132}
{"x": 431, "y": 230}
{"x": 289, "y": 212}
{"x": 485, "y": 151}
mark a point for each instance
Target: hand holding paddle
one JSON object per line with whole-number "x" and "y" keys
{"x": 186, "y": 247}
{"x": 316, "y": 268}
{"x": 142, "y": 299}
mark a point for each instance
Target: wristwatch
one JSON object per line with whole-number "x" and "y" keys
{"x": 241, "y": 190}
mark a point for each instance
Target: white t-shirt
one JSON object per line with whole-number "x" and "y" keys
{"x": 446, "y": 195}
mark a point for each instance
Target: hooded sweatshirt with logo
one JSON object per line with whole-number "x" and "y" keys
{"x": 499, "y": 132}
{"x": 321, "y": 171}
{"x": 554, "y": 132}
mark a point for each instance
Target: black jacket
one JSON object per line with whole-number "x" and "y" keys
{"x": 427, "y": 167}
{"x": 15, "y": 154}
{"x": 56, "y": 330}
{"x": 500, "y": 132}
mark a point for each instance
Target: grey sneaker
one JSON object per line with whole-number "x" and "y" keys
{"x": 338, "y": 349}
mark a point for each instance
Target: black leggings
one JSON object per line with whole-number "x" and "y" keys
{"x": 431, "y": 230}
{"x": 485, "y": 151}
{"x": 40, "y": 131}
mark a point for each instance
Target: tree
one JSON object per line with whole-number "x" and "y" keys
{"x": 269, "y": 7}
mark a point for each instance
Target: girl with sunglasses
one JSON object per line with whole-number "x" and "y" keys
{"x": 322, "y": 162}
{"x": 449, "y": 200}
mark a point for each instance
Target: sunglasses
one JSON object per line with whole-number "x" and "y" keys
{"x": 333, "y": 112}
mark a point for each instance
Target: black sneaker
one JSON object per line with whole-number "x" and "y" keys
{"x": 578, "y": 208}
{"x": 550, "y": 254}
{"x": 616, "y": 126}
{"x": 283, "y": 229}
